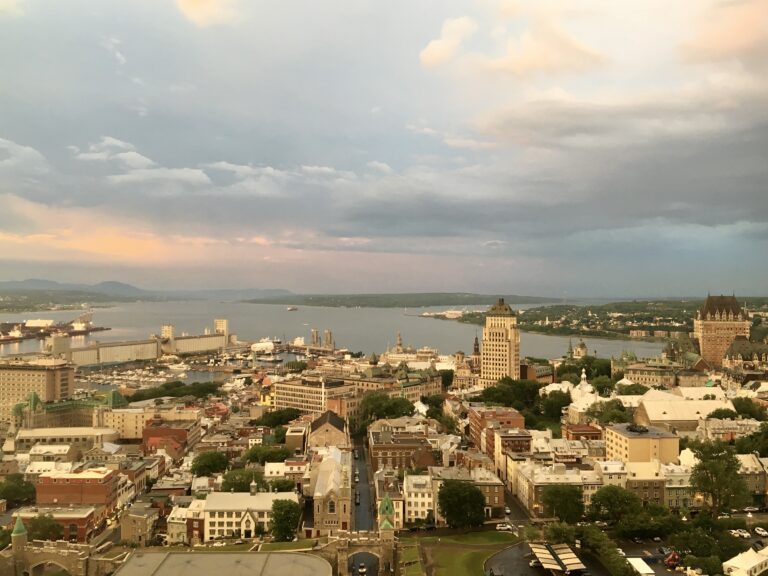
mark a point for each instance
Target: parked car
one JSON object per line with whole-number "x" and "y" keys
{"x": 723, "y": 515}
{"x": 637, "y": 540}
{"x": 534, "y": 563}
{"x": 503, "y": 526}
{"x": 760, "y": 531}
{"x": 507, "y": 510}
{"x": 744, "y": 533}
{"x": 664, "y": 550}
{"x": 620, "y": 552}
{"x": 751, "y": 509}
{"x": 657, "y": 538}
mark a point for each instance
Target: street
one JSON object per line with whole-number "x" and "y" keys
{"x": 364, "y": 513}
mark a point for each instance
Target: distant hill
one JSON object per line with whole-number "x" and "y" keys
{"x": 404, "y": 300}
{"x": 127, "y": 291}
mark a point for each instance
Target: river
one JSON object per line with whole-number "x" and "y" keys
{"x": 365, "y": 329}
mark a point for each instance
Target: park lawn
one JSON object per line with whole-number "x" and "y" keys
{"x": 457, "y": 562}
{"x": 486, "y": 537}
{"x": 409, "y": 553}
{"x": 274, "y": 546}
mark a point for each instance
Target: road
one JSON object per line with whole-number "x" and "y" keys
{"x": 364, "y": 512}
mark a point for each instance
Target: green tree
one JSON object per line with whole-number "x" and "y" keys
{"x": 519, "y": 394}
{"x": 279, "y": 434}
{"x": 553, "y": 403}
{"x": 749, "y": 409}
{"x": 560, "y": 533}
{"x": 707, "y": 564}
{"x": 564, "y": 502}
{"x": 240, "y": 480}
{"x": 282, "y": 485}
{"x": 611, "y": 412}
{"x": 5, "y": 537}
{"x": 285, "y": 520}
{"x": 611, "y": 503}
{"x": 377, "y": 405}
{"x": 208, "y": 463}
{"x": 276, "y": 418}
{"x": 697, "y": 540}
{"x": 262, "y": 454}
{"x": 716, "y": 475}
{"x": 723, "y": 414}
{"x": 603, "y": 385}
{"x": 44, "y": 527}
{"x": 16, "y": 490}
{"x": 461, "y": 504}
{"x": 631, "y": 389}
{"x": 446, "y": 377}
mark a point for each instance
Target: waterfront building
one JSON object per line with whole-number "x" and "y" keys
{"x": 717, "y": 324}
{"x": 500, "y": 353}
{"x": 48, "y": 378}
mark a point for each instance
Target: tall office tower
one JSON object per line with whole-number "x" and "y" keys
{"x": 716, "y": 326}
{"x": 500, "y": 353}
{"x": 221, "y": 326}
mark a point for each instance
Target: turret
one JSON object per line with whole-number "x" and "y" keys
{"x": 19, "y": 538}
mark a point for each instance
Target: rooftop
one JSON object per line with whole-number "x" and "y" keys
{"x": 230, "y": 563}
{"x": 244, "y": 501}
{"x": 635, "y": 431}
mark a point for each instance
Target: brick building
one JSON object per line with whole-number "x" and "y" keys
{"x": 399, "y": 450}
{"x": 95, "y": 486}
{"x": 717, "y": 324}
{"x": 482, "y": 417}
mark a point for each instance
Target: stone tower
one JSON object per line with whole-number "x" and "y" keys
{"x": 716, "y": 326}
{"x": 500, "y": 354}
{"x": 386, "y": 534}
{"x": 19, "y": 539}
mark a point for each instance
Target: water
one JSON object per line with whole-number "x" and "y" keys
{"x": 358, "y": 329}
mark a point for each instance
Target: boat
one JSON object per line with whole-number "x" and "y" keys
{"x": 269, "y": 358}
{"x": 180, "y": 367}
{"x": 292, "y": 308}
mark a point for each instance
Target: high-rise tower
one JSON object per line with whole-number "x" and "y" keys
{"x": 500, "y": 354}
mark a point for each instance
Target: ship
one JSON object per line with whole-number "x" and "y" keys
{"x": 292, "y": 308}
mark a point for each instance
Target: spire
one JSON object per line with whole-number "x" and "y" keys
{"x": 19, "y": 529}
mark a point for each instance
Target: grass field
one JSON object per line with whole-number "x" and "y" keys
{"x": 276, "y": 546}
{"x": 461, "y": 562}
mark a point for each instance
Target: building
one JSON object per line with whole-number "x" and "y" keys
{"x": 419, "y": 502}
{"x": 399, "y": 450}
{"x": 678, "y": 493}
{"x": 748, "y": 563}
{"x": 726, "y": 430}
{"x": 238, "y": 514}
{"x": 387, "y": 485}
{"x": 646, "y": 480}
{"x": 182, "y": 434}
{"x": 230, "y": 563}
{"x": 49, "y": 379}
{"x": 533, "y": 478}
{"x": 95, "y": 486}
{"x": 651, "y": 374}
{"x": 330, "y": 491}
{"x": 77, "y": 522}
{"x": 581, "y": 432}
{"x": 137, "y": 524}
{"x": 500, "y": 353}
{"x": 328, "y": 430}
{"x": 675, "y": 413}
{"x": 753, "y": 473}
{"x": 82, "y": 438}
{"x": 634, "y": 443}
{"x": 717, "y": 324}
{"x": 482, "y": 417}
{"x": 489, "y": 484}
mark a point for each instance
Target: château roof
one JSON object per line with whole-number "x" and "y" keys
{"x": 720, "y": 305}
{"x": 741, "y": 346}
{"x": 500, "y": 309}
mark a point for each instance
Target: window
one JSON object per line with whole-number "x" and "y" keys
{"x": 331, "y": 507}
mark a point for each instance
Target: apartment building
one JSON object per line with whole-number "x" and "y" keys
{"x": 41, "y": 380}
{"x": 500, "y": 353}
{"x": 419, "y": 501}
{"x": 95, "y": 486}
{"x": 634, "y": 443}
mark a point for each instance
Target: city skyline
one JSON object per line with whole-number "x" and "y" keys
{"x": 489, "y": 147}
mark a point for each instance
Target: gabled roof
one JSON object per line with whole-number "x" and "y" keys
{"x": 329, "y": 417}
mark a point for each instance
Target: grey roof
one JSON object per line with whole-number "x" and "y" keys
{"x": 722, "y": 305}
{"x": 232, "y": 564}
{"x": 331, "y": 418}
{"x": 745, "y": 348}
{"x": 501, "y": 308}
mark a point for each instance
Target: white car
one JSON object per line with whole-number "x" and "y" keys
{"x": 503, "y": 526}
{"x": 744, "y": 534}
{"x": 621, "y": 552}
{"x": 761, "y": 531}
{"x": 507, "y": 510}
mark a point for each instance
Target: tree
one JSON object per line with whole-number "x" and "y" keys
{"x": 240, "y": 480}
{"x": 262, "y": 454}
{"x": 603, "y": 385}
{"x": 279, "y": 434}
{"x": 748, "y": 409}
{"x": 44, "y": 527}
{"x": 631, "y": 389}
{"x": 560, "y": 533}
{"x": 16, "y": 490}
{"x": 276, "y": 418}
{"x": 461, "y": 504}
{"x": 716, "y": 475}
{"x": 520, "y": 394}
{"x": 553, "y": 403}
{"x": 699, "y": 542}
{"x": 208, "y": 463}
{"x": 446, "y": 377}
{"x": 282, "y": 485}
{"x": 611, "y": 503}
{"x": 723, "y": 414}
{"x": 376, "y": 405}
{"x": 285, "y": 520}
{"x": 5, "y": 537}
{"x": 563, "y": 501}
{"x": 611, "y": 412}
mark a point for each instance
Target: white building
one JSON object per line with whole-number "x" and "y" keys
{"x": 233, "y": 514}
{"x": 419, "y": 500}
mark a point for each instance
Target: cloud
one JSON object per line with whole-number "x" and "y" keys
{"x": 544, "y": 48}
{"x": 731, "y": 30}
{"x": 111, "y": 44}
{"x": 20, "y": 159}
{"x": 191, "y": 176}
{"x": 377, "y": 166}
{"x": 109, "y": 148}
{"x": 209, "y": 12}
{"x": 454, "y": 32}
{"x": 11, "y": 7}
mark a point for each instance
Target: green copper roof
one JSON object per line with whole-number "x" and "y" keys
{"x": 19, "y": 529}
{"x": 386, "y": 508}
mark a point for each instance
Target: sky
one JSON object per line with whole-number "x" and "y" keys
{"x": 589, "y": 148}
